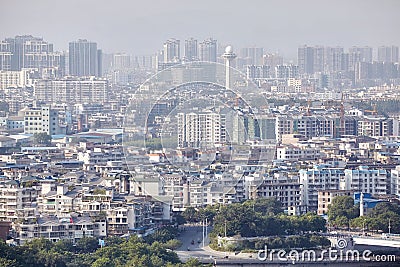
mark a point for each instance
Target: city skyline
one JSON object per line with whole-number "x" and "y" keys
{"x": 277, "y": 26}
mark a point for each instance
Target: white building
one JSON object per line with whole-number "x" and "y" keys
{"x": 395, "y": 181}
{"x": 15, "y": 79}
{"x": 375, "y": 126}
{"x": 363, "y": 179}
{"x": 201, "y": 129}
{"x": 321, "y": 177}
{"x": 15, "y": 201}
{"x": 57, "y": 228}
{"x": 297, "y": 152}
{"x": 72, "y": 90}
{"x": 41, "y": 120}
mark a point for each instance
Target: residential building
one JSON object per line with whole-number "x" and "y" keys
{"x": 321, "y": 177}
{"x": 190, "y": 51}
{"x": 54, "y": 228}
{"x": 388, "y": 54}
{"x": 325, "y": 198}
{"x": 41, "y": 120}
{"x": 208, "y": 50}
{"x": 375, "y": 126}
{"x": 172, "y": 51}
{"x": 72, "y": 90}
{"x": 282, "y": 186}
{"x": 201, "y": 129}
{"x": 366, "y": 180}
{"x": 15, "y": 79}
{"x": 26, "y": 51}
{"x": 84, "y": 59}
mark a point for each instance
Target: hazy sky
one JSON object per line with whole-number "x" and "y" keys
{"x": 140, "y": 27}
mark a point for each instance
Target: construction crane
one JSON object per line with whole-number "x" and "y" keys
{"x": 374, "y": 111}
{"x": 342, "y": 129}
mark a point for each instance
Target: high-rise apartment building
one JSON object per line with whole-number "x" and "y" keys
{"x": 121, "y": 61}
{"x": 272, "y": 60}
{"x": 172, "y": 50}
{"x": 84, "y": 59}
{"x": 361, "y": 54}
{"x": 388, "y": 54}
{"x": 252, "y": 55}
{"x": 305, "y": 58}
{"x": 333, "y": 58}
{"x": 208, "y": 50}
{"x": 190, "y": 52}
{"x": 201, "y": 129}
{"x": 5, "y": 56}
{"x": 26, "y": 51}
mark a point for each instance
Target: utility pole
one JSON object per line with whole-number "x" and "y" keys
{"x": 225, "y": 227}
{"x": 206, "y": 227}
{"x": 363, "y": 227}
{"x": 203, "y": 231}
{"x": 389, "y": 227}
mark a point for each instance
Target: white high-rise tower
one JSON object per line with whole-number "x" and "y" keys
{"x": 228, "y": 56}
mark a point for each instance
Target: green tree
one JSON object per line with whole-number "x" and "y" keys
{"x": 102, "y": 262}
{"x": 342, "y": 211}
{"x": 87, "y": 245}
{"x": 42, "y": 139}
{"x": 266, "y": 206}
{"x": 190, "y": 214}
{"x": 8, "y": 263}
{"x": 173, "y": 244}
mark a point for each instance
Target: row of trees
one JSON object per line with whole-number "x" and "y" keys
{"x": 343, "y": 213}
{"x": 242, "y": 220}
{"x": 86, "y": 253}
{"x": 289, "y": 242}
{"x": 261, "y": 217}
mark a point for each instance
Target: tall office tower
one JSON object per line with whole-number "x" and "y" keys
{"x": 190, "y": 52}
{"x": 172, "y": 48}
{"x": 208, "y": 50}
{"x": 333, "y": 58}
{"x": 388, "y": 54}
{"x": 363, "y": 54}
{"x": 252, "y": 55}
{"x": 305, "y": 59}
{"x": 272, "y": 60}
{"x": 27, "y": 51}
{"x": 121, "y": 61}
{"x": 84, "y": 59}
{"x": 228, "y": 56}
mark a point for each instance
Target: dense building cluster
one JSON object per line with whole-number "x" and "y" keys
{"x": 87, "y": 148}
